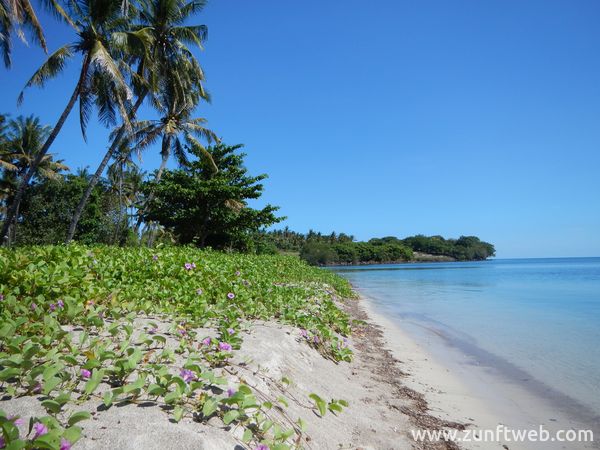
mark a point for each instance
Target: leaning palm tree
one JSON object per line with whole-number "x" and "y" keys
{"x": 168, "y": 63}
{"x": 23, "y": 140}
{"x": 103, "y": 33}
{"x": 19, "y": 15}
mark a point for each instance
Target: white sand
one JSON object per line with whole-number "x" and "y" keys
{"x": 382, "y": 409}
{"x": 457, "y": 389}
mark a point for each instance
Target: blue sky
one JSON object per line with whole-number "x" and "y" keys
{"x": 395, "y": 117}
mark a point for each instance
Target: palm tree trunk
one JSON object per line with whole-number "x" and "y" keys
{"x": 96, "y": 177}
{"x": 12, "y": 211}
{"x": 166, "y": 152}
{"x": 13, "y": 234}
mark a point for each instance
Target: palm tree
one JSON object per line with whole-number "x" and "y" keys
{"x": 103, "y": 32}
{"x": 176, "y": 122}
{"x": 169, "y": 62}
{"x": 16, "y": 15}
{"x": 24, "y": 137}
{"x": 125, "y": 180}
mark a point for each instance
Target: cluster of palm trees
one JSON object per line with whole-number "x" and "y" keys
{"x": 130, "y": 52}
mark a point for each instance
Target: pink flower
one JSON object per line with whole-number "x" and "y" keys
{"x": 231, "y": 296}
{"x": 154, "y": 257}
{"x": 33, "y": 306}
{"x": 193, "y": 265}
{"x": 187, "y": 266}
{"x": 224, "y": 346}
{"x": 238, "y": 273}
{"x": 65, "y": 444}
{"x": 187, "y": 375}
{"x": 304, "y": 334}
{"x": 199, "y": 291}
{"x": 52, "y": 306}
{"x": 40, "y": 429}
{"x": 181, "y": 331}
{"x": 60, "y": 304}
{"x": 230, "y": 392}
{"x": 230, "y": 330}
{"x": 261, "y": 447}
{"x": 85, "y": 373}
{"x": 16, "y": 420}
{"x": 206, "y": 341}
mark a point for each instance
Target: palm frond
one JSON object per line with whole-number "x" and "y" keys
{"x": 52, "y": 67}
{"x": 195, "y": 34}
{"x": 8, "y": 166}
{"x": 59, "y": 12}
{"x": 194, "y": 142}
{"x": 30, "y": 20}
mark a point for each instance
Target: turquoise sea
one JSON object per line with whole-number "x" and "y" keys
{"x": 535, "y": 320}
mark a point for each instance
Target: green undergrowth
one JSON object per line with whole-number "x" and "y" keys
{"x": 70, "y": 333}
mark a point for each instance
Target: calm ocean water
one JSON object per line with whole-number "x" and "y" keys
{"x": 540, "y": 317}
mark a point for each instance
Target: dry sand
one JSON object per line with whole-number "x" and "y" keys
{"x": 393, "y": 386}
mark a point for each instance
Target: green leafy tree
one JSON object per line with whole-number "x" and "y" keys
{"x": 47, "y": 207}
{"x": 210, "y": 208}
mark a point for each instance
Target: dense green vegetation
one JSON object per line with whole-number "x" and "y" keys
{"x": 205, "y": 202}
{"x": 327, "y": 249}
{"x": 127, "y": 53}
{"x": 45, "y": 292}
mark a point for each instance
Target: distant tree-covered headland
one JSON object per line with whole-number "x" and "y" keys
{"x": 330, "y": 249}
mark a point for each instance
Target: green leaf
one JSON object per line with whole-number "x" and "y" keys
{"x": 52, "y": 406}
{"x": 172, "y": 397}
{"x": 50, "y": 384}
{"x": 230, "y": 416}
{"x": 266, "y": 425}
{"x": 334, "y": 407}
{"x": 137, "y": 384}
{"x": 72, "y": 434}
{"x": 178, "y": 413}
{"x": 94, "y": 381}
{"x": 247, "y": 436}
{"x": 8, "y": 373}
{"x": 155, "y": 389}
{"x": 107, "y": 398}
{"x": 16, "y": 445}
{"x": 244, "y": 389}
{"x": 79, "y": 416}
{"x": 321, "y": 404}
{"x": 210, "y": 406}
{"x": 159, "y": 338}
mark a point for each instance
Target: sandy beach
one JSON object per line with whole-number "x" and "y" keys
{"x": 456, "y": 388}
{"x": 394, "y": 387}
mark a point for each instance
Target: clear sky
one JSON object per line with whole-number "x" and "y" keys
{"x": 395, "y": 117}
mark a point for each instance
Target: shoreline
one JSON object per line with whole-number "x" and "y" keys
{"x": 456, "y": 389}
